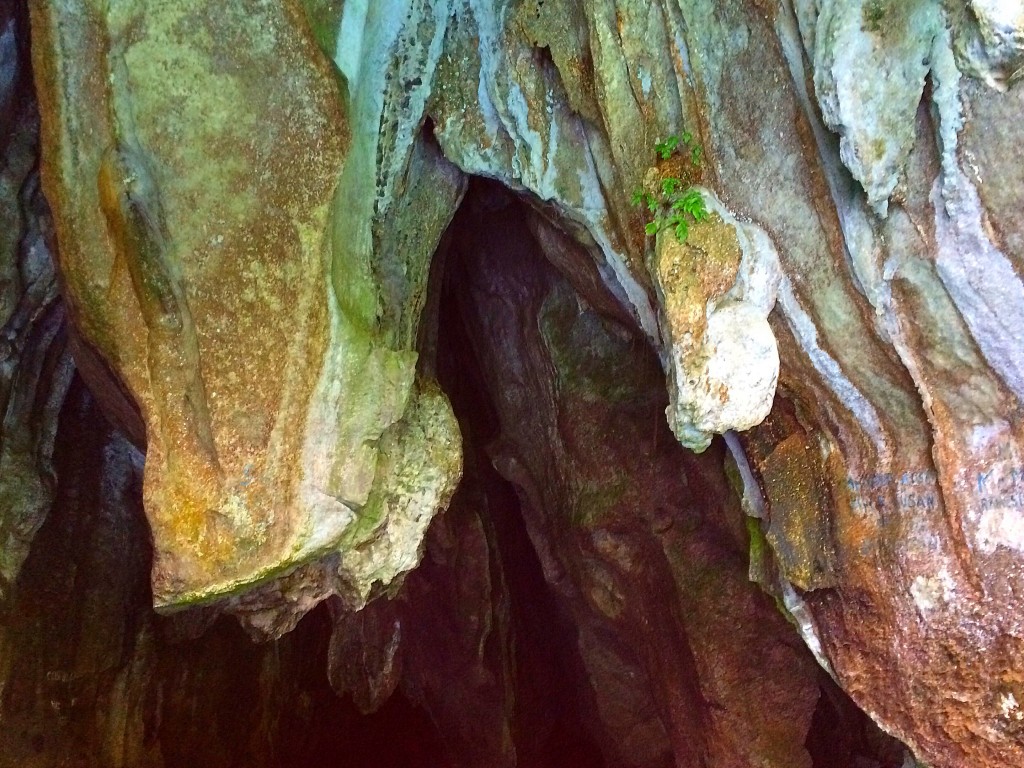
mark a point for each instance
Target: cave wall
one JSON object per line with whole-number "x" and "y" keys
{"x": 543, "y": 627}
{"x": 92, "y": 676}
{"x": 35, "y": 364}
{"x": 249, "y": 206}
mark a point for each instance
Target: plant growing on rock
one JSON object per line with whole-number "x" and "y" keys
{"x": 674, "y": 204}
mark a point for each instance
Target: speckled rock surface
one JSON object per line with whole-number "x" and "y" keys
{"x": 215, "y": 229}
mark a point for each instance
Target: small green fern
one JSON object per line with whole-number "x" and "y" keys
{"x": 676, "y": 206}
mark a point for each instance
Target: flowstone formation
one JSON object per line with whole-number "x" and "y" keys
{"x": 250, "y": 202}
{"x": 215, "y": 237}
{"x": 716, "y": 289}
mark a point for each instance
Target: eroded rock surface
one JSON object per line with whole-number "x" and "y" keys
{"x": 592, "y": 602}
{"x": 247, "y": 244}
{"x": 892, "y": 504}
{"x": 215, "y": 226}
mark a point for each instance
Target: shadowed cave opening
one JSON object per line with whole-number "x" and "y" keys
{"x": 86, "y": 649}
{"x": 554, "y": 621}
{"x": 499, "y": 243}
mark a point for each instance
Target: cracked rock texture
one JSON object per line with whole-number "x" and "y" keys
{"x": 252, "y": 234}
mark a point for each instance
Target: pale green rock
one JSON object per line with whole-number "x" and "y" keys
{"x": 233, "y": 234}
{"x": 874, "y": 116}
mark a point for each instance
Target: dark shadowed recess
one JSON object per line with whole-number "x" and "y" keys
{"x": 95, "y": 678}
{"x": 548, "y": 681}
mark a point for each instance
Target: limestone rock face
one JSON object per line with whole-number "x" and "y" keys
{"x": 715, "y": 290}
{"x": 892, "y": 506}
{"x": 248, "y": 198}
{"x": 211, "y": 203}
